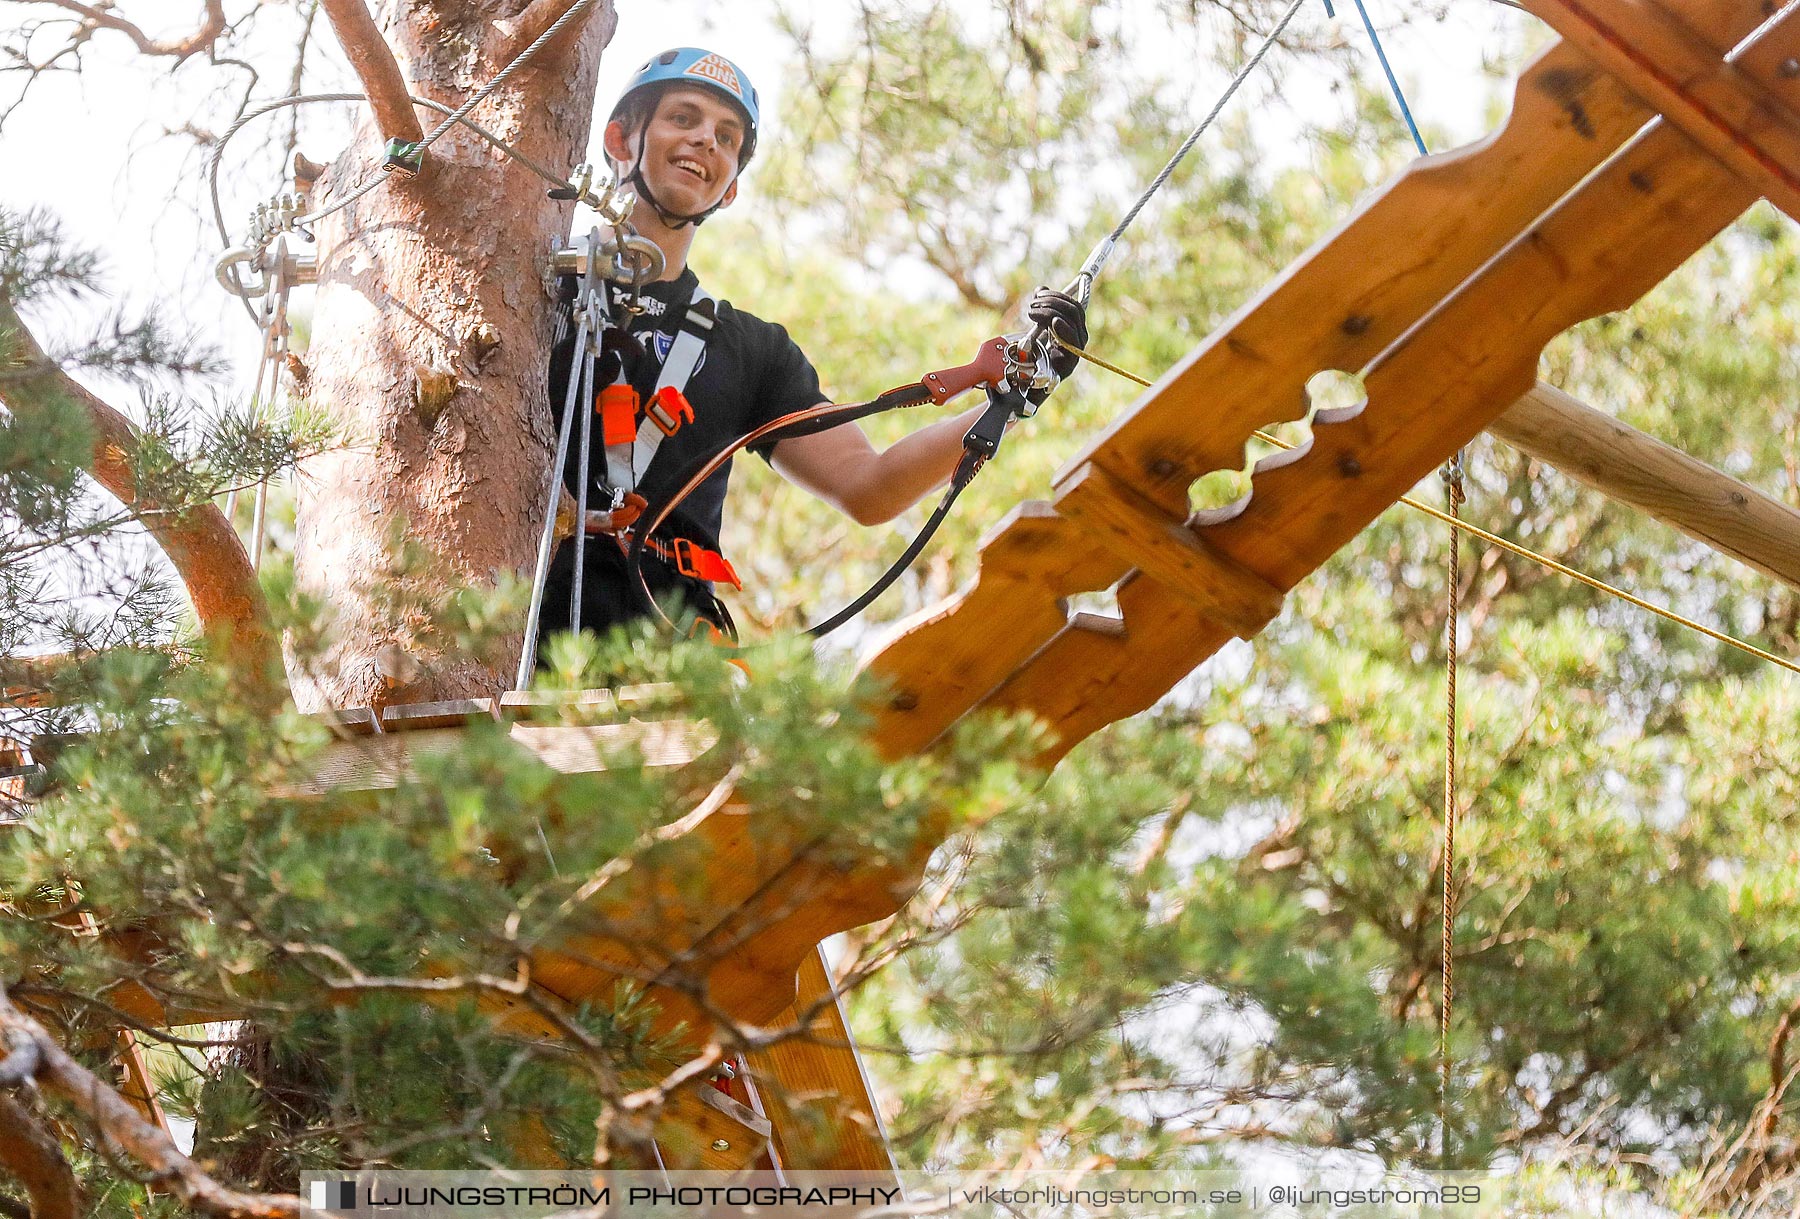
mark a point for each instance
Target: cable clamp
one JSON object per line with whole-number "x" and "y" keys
{"x": 404, "y": 156}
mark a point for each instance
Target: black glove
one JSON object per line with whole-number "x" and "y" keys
{"x": 1066, "y": 320}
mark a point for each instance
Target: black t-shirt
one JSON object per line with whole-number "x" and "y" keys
{"x": 750, "y": 373}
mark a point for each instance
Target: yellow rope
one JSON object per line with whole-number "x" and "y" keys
{"x": 1494, "y": 539}
{"x": 1453, "y": 498}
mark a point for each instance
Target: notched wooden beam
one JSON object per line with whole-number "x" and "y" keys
{"x": 1167, "y": 550}
{"x": 815, "y": 1087}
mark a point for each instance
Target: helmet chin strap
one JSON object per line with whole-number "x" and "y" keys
{"x": 635, "y": 179}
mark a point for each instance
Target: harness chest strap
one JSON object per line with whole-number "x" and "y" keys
{"x": 667, "y": 409}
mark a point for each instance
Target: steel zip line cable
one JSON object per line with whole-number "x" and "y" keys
{"x": 456, "y": 116}
{"x": 1083, "y": 283}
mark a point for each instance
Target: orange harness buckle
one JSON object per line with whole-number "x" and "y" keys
{"x": 695, "y": 561}
{"x": 617, "y": 406}
{"x": 668, "y": 409}
{"x": 703, "y": 564}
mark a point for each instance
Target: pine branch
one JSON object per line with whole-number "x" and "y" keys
{"x": 376, "y": 67}
{"x": 129, "y": 1134}
{"x": 197, "y": 538}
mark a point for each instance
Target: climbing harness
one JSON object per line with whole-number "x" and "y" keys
{"x": 1015, "y": 371}
{"x": 631, "y": 446}
{"x": 995, "y": 369}
{"x": 612, "y": 272}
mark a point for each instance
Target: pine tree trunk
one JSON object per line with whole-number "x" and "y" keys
{"x": 431, "y": 336}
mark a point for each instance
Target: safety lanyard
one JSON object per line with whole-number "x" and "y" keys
{"x": 590, "y": 312}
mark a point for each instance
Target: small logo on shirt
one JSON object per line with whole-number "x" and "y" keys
{"x": 662, "y": 341}
{"x": 718, "y": 70}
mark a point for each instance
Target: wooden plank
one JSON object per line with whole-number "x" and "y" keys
{"x": 139, "y": 1089}
{"x": 348, "y": 721}
{"x": 1167, "y": 551}
{"x": 1240, "y": 378}
{"x": 731, "y": 908}
{"x": 521, "y": 703}
{"x": 1365, "y": 284}
{"x": 1658, "y": 479}
{"x": 410, "y": 717}
{"x": 944, "y": 661}
{"x": 382, "y": 762}
{"x": 1750, "y": 125}
{"x": 1388, "y": 266}
{"x": 815, "y": 1089}
{"x": 616, "y": 700}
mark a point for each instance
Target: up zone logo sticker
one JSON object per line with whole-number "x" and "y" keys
{"x": 718, "y": 70}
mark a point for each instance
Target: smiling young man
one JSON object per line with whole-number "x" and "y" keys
{"x": 680, "y": 135}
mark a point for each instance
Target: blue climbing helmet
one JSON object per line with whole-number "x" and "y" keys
{"x": 708, "y": 70}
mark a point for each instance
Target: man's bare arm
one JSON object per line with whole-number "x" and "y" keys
{"x": 842, "y": 468}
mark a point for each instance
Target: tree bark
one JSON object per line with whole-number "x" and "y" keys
{"x": 431, "y": 340}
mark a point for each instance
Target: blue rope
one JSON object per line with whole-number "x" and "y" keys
{"x": 1393, "y": 83}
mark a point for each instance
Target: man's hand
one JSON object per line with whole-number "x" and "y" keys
{"x": 1066, "y": 320}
